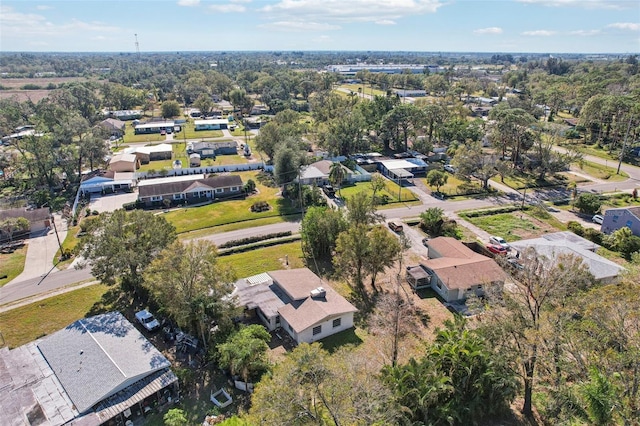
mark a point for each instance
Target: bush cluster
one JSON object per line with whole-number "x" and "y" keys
{"x": 259, "y": 206}
{"x": 254, "y": 239}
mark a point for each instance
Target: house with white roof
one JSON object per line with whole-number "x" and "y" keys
{"x": 318, "y": 173}
{"x": 98, "y": 370}
{"x": 145, "y": 154}
{"x": 562, "y": 243}
{"x": 298, "y": 301}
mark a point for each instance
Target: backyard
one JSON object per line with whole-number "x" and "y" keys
{"x": 511, "y": 226}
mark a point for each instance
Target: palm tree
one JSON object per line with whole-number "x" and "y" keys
{"x": 337, "y": 175}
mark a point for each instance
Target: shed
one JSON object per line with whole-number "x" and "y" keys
{"x": 124, "y": 163}
{"x": 194, "y": 160}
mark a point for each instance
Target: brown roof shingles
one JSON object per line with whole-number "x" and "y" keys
{"x": 178, "y": 187}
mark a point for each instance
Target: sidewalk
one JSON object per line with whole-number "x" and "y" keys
{"x": 41, "y": 251}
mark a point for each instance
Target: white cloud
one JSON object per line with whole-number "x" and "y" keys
{"x": 240, "y": 1}
{"x": 188, "y": 3}
{"x": 585, "y": 33}
{"x": 585, "y": 4}
{"x": 43, "y": 7}
{"x": 30, "y": 24}
{"x": 539, "y": 33}
{"x": 629, "y": 26}
{"x": 349, "y": 11}
{"x": 490, "y": 30}
{"x": 299, "y": 26}
{"x": 386, "y": 22}
{"x": 322, "y": 39}
{"x": 227, "y": 8}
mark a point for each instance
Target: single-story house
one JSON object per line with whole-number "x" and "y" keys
{"x": 253, "y": 122}
{"x": 318, "y": 173}
{"x": 162, "y": 151}
{"x": 125, "y": 115}
{"x": 106, "y": 181}
{"x": 39, "y": 219}
{"x": 454, "y": 271}
{"x": 615, "y": 219}
{"x": 211, "y": 124}
{"x": 154, "y": 127}
{"x": 152, "y": 192}
{"x": 480, "y": 111}
{"x": 97, "y": 371}
{"x": 259, "y": 110}
{"x": 563, "y": 243}
{"x": 124, "y": 163}
{"x": 409, "y": 93}
{"x": 212, "y": 149}
{"x": 114, "y": 126}
{"x": 296, "y": 300}
{"x": 400, "y": 169}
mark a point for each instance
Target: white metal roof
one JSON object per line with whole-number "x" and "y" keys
{"x": 155, "y": 124}
{"x": 211, "y": 121}
{"x": 156, "y": 181}
{"x": 399, "y": 164}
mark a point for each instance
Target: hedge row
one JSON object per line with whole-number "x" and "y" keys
{"x": 262, "y": 244}
{"x": 505, "y": 209}
{"x": 254, "y": 239}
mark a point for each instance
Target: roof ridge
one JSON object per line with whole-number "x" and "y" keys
{"x": 101, "y": 348}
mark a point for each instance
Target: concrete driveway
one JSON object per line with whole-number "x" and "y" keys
{"x": 111, "y": 202}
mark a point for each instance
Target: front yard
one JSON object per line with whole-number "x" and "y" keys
{"x": 512, "y": 226}
{"x": 230, "y": 211}
{"x": 390, "y": 191}
{"x": 12, "y": 264}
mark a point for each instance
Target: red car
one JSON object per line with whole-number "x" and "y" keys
{"x": 497, "y": 249}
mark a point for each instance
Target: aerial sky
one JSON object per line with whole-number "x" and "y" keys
{"x": 536, "y": 26}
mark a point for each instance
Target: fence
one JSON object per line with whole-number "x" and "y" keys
{"x": 204, "y": 170}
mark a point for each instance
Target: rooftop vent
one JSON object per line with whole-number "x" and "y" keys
{"x": 318, "y": 292}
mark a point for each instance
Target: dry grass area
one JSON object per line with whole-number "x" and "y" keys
{"x": 14, "y": 85}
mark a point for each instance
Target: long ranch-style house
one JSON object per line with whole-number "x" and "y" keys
{"x": 189, "y": 189}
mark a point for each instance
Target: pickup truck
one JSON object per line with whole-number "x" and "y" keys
{"x": 147, "y": 320}
{"x": 395, "y": 226}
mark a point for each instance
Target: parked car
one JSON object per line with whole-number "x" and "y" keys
{"x": 395, "y": 226}
{"x": 328, "y": 189}
{"x": 163, "y": 132}
{"x": 499, "y": 241}
{"x": 449, "y": 168}
{"x": 147, "y": 320}
{"x": 515, "y": 264}
{"x": 497, "y": 249}
{"x": 598, "y": 219}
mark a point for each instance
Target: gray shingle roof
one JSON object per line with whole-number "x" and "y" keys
{"x": 35, "y": 215}
{"x": 95, "y": 357}
{"x": 169, "y": 188}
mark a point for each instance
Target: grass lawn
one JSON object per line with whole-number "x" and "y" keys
{"x": 625, "y": 200}
{"x": 27, "y": 323}
{"x": 131, "y": 137}
{"x": 599, "y": 171}
{"x": 451, "y": 187}
{"x": 235, "y": 226}
{"x": 191, "y": 133}
{"x": 225, "y": 212}
{"x": 511, "y": 226}
{"x": 69, "y": 244}
{"x": 272, "y": 258}
{"x": 12, "y": 264}
{"x": 391, "y": 191}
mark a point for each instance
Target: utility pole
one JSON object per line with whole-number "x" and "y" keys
{"x": 624, "y": 145}
{"x": 137, "y": 46}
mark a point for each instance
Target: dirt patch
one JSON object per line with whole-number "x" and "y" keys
{"x": 540, "y": 228}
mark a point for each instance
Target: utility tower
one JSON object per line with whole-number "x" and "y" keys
{"x": 137, "y": 45}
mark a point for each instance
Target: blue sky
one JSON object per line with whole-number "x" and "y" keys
{"x": 553, "y": 26}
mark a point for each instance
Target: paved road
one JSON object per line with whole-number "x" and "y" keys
{"x": 19, "y": 290}
{"x": 25, "y": 288}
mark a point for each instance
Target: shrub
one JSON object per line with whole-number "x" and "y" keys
{"x": 575, "y": 227}
{"x": 593, "y": 235}
{"x": 588, "y": 203}
{"x": 254, "y": 239}
{"x": 260, "y": 206}
{"x": 250, "y": 186}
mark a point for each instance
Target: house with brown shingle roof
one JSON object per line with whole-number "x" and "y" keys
{"x": 453, "y": 270}
{"x": 298, "y": 301}
{"x": 189, "y": 189}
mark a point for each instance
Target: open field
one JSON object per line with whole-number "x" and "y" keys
{"x": 367, "y": 89}
{"x": 191, "y": 133}
{"x": 12, "y": 264}
{"x": 265, "y": 259}
{"x": 599, "y": 171}
{"x": 47, "y": 84}
{"x": 512, "y": 226}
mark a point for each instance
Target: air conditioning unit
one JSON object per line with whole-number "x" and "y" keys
{"x": 318, "y": 292}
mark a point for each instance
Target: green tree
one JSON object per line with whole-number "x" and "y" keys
{"x": 517, "y": 317}
{"x": 588, "y": 203}
{"x": 384, "y": 249}
{"x": 437, "y": 178}
{"x": 204, "y": 103}
{"x": 352, "y": 249}
{"x": 245, "y": 352}
{"x": 432, "y": 221}
{"x": 361, "y": 210}
{"x": 122, "y": 244}
{"x": 511, "y": 131}
{"x": 286, "y": 164}
{"x": 175, "y": 417}
{"x": 170, "y": 109}
{"x": 601, "y": 398}
{"x": 377, "y": 183}
{"x": 12, "y": 225}
{"x": 460, "y": 380}
{"x": 472, "y": 162}
{"x": 183, "y": 276}
{"x": 337, "y": 174}
{"x": 311, "y": 387}
{"x": 319, "y": 230}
